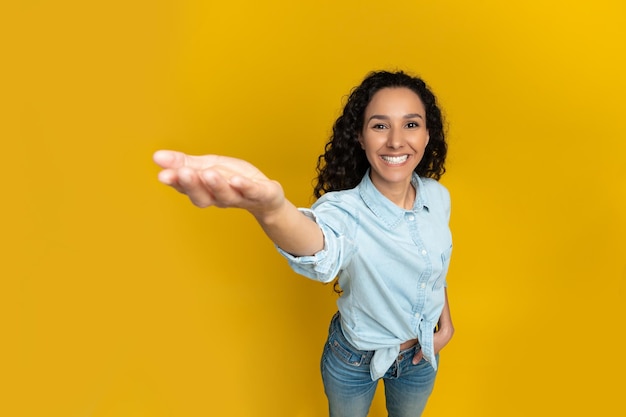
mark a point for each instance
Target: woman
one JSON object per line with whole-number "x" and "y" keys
{"x": 380, "y": 225}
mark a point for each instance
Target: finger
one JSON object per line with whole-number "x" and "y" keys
{"x": 168, "y": 159}
{"x": 249, "y": 189}
{"x": 189, "y": 183}
{"x": 168, "y": 177}
{"x": 170, "y": 162}
{"x": 418, "y": 357}
{"x": 173, "y": 159}
{"x": 222, "y": 193}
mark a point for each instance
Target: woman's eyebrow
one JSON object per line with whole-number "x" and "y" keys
{"x": 406, "y": 116}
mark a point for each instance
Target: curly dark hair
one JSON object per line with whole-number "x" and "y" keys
{"x": 344, "y": 163}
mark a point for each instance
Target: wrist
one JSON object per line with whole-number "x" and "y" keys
{"x": 270, "y": 215}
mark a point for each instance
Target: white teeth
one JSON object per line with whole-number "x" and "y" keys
{"x": 395, "y": 159}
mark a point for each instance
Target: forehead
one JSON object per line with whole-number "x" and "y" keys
{"x": 395, "y": 99}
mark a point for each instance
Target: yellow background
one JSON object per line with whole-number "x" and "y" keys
{"x": 119, "y": 298}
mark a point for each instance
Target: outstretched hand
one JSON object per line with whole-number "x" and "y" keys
{"x": 221, "y": 181}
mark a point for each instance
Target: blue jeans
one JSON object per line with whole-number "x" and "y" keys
{"x": 350, "y": 389}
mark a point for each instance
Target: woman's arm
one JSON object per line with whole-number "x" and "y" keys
{"x": 445, "y": 330}
{"x": 213, "y": 180}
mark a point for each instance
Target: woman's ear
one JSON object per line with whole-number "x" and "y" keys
{"x": 360, "y": 139}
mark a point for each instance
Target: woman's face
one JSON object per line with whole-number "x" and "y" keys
{"x": 394, "y": 137}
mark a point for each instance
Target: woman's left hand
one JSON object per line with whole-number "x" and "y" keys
{"x": 443, "y": 334}
{"x": 440, "y": 340}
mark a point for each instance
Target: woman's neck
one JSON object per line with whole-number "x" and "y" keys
{"x": 402, "y": 195}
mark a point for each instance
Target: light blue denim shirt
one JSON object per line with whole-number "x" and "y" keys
{"x": 391, "y": 263}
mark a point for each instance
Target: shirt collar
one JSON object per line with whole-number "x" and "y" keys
{"x": 383, "y": 208}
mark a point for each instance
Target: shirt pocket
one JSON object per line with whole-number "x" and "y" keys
{"x": 445, "y": 261}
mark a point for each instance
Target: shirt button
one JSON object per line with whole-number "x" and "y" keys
{"x": 424, "y": 252}
{"x": 423, "y": 285}
{"x": 411, "y": 217}
{"x": 417, "y": 315}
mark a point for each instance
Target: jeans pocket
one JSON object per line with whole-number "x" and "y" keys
{"x": 343, "y": 351}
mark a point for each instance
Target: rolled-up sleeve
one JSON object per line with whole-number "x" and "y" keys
{"x": 324, "y": 265}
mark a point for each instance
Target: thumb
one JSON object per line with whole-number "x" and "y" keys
{"x": 418, "y": 357}
{"x": 168, "y": 159}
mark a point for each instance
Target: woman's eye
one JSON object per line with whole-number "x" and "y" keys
{"x": 412, "y": 125}
{"x": 379, "y": 126}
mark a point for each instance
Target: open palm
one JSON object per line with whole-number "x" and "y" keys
{"x": 221, "y": 181}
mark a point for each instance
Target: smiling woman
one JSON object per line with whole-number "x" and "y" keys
{"x": 120, "y": 298}
{"x": 380, "y": 224}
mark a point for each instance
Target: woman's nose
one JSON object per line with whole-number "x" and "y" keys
{"x": 394, "y": 139}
